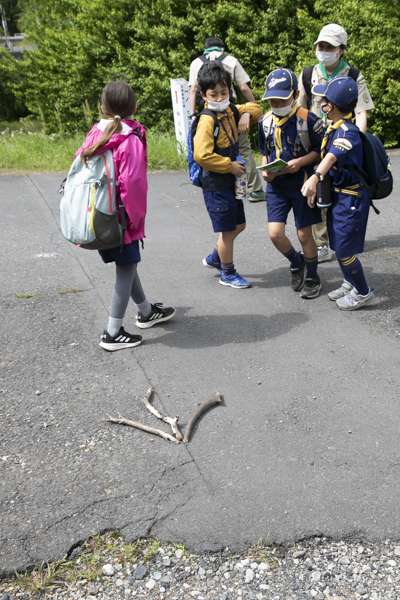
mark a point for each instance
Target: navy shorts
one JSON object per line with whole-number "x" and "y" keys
{"x": 347, "y": 223}
{"x": 129, "y": 256}
{"x": 280, "y": 201}
{"x": 225, "y": 211}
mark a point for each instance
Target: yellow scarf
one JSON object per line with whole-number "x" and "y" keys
{"x": 330, "y": 129}
{"x": 278, "y": 128}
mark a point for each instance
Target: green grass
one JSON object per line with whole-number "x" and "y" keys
{"x": 24, "y": 148}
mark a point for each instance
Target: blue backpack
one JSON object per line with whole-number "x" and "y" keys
{"x": 376, "y": 163}
{"x": 195, "y": 171}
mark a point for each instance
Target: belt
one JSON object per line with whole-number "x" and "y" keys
{"x": 351, "y": 190}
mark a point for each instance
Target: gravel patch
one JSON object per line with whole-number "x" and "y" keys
{"x": 317, "y": 568}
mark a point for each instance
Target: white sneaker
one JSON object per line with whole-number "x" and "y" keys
{"x": 353, "y": 300}
{"x": 324, "y": 254}
{"x": 344, "y": 289}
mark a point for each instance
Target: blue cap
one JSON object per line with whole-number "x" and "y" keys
{"x": 281, "y": 84}
{"x": 340, "y": 90}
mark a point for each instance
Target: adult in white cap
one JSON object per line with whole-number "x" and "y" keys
{"x": 330, "y": 46}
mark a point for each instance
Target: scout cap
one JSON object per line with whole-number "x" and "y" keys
{"x": 333, "y": 34}
{"x": 281, "y": 84}
{"x": 340, "y": 90}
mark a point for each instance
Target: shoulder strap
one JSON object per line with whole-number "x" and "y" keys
{"x": 220, "y": 57}
{"x": 210, "y": 113}
{"x": 353, "y": 73}
{"x": 302, "y": 128}
{"x": 302, "y": 113}
{"x": 307, "y": 74}
{"x": 235, "y": 111}
{"x": 203, "y": 58}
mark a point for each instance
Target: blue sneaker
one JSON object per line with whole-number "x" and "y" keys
{"x": 234, "y": 281}
{"x": 209, "y": 262}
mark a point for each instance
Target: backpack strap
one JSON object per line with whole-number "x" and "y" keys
{"x": 235, "y": 111}
{"x": 307, "y": 74}
{"x": 353, "y": 73}
{"x": 302, "y": 128}
{"x": 267, "y": 122}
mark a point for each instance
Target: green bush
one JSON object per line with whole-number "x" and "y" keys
{"x": 82, "y": 45}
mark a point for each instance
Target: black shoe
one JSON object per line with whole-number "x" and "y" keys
{"x": 298, "y": 275}
{"x": 312, "y": 287}
{"x": 157, "y": 315}
{"x": 122, "y": 340}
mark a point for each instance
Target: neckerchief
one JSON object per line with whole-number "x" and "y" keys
{"x": 342, "y": 65}
{"x": 278, "y": 128}
{"x": 213, "y": 49}
{"x": 330, "y": 129}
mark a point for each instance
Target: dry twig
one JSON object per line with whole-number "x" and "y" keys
{"x": 174, "y": 426}
{"x": 150, "y": 407}
{"x": 216, "y": 400}
{"x": 122, "y": 421}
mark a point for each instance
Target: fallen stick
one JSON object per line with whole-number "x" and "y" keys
{"x": 122, "y": 421}
{"x": 150, "y": 407}
{"x": 174, "y": 426}
{"x": 216, "y": 400}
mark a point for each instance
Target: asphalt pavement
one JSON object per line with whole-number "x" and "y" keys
{"x": 305, "y": 443}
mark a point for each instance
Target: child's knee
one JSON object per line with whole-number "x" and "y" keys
{"x": 305, "y": 235}
{"x": 276, "y": 234}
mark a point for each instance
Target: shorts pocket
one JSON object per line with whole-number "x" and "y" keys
{"x": 354, "y": 220}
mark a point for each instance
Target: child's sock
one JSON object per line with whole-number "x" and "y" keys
{"x": 293, "y": 257}
{"x": 144, "y": 307}
{"x": 353, "y": 273}
{"x": 346, "y": 276}
{"x": 215, "y": 255}
{"x": 114, "y": 325}
{"x": 312, "y": 266}
{"x": 228, "y": 268}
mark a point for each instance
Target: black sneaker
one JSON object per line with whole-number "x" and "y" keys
{"x": 298, "y": 275}
{"x": 312, "y": 287}
{"x": 158, "y": 315}
{"x": 122, "y": 340}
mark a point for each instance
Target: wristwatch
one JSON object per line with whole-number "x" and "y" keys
{"x": 319, "y": 175}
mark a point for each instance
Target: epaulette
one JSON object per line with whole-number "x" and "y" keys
{"x": 268, "y": 114}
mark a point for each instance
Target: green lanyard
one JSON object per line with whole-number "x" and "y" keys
{"x": 342, "y": 65}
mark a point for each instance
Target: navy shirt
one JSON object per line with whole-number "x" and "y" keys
{"x": 291, "y": 146}
{"x": 347, "y": 147}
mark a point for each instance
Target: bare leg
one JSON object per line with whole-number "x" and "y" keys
{"x": 225, "y": 243}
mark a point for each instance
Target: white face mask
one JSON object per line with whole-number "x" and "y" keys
{"x": 218, "y": 106}
{"x": 283, "y": 111}
{"x": 328, "y": 58}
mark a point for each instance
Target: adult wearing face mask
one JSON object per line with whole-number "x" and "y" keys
{"x": 330, "y": 46}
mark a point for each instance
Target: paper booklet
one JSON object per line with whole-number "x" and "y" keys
{"x": 273, "y": 167}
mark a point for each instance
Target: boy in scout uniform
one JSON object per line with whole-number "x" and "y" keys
{"x": 293, "y": 134}
{"x": 347, "y": 217}
{"x": 330, "y": 46}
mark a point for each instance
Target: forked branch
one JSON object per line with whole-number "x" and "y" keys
{"x": 122, "y": 421}
{"x": 174, "y": 427}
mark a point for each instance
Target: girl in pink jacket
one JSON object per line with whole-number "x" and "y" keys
{"x": 127, "y": 140}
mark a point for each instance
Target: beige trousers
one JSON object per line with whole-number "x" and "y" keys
{"x": 252, "y": 176}
{"x": 320, "y": 230}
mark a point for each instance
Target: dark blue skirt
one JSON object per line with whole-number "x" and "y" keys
{"x": 129, "y": 255}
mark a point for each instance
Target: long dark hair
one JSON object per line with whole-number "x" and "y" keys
{"x": 117, "y": 98}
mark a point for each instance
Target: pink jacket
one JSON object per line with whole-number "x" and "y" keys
{"x": 130, "y": 160}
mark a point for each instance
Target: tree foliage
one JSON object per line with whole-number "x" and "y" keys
{"x": 82, "y": 45}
